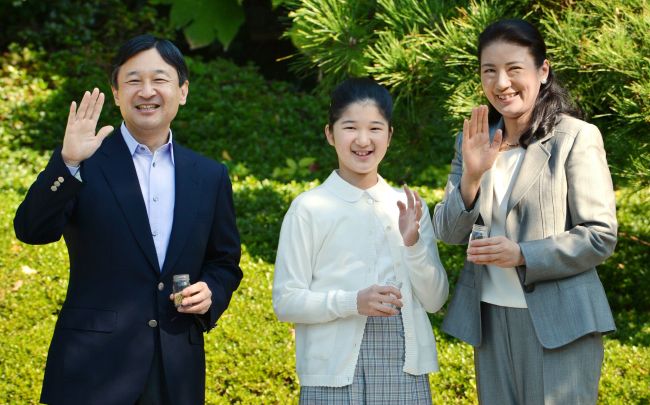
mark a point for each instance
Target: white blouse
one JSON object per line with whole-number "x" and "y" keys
{"x": 501, "y": 286}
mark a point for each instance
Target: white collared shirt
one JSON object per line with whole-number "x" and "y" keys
{"x": 157, "y": 179}
{"x": 336, "y": 240}
{"x": 501, "y": 286}
{"x": 156, "y": 176}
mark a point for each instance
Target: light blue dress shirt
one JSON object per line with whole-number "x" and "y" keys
{"x": 156, "y": 176}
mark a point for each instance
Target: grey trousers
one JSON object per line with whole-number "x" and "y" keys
{"x": 513, "y": 368}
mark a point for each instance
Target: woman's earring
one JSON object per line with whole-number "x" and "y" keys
{"x": 543, "y": 81}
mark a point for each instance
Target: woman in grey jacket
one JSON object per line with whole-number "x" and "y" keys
{"x": 528, "y": 298}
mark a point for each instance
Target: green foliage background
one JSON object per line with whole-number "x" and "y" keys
{"x": 425, "y": 51}
{"x": 50, "y": 52}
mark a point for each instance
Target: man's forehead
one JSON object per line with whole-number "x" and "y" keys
{"x": 148, "y": 61}
{"x": 136, "y": 71}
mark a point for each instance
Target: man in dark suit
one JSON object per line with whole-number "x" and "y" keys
{"x": 134, "y": 209}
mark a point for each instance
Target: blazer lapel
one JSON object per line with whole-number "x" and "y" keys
{"x": 531, "y": 168}
{"x": 185, "y": 206}
{"x": 117, "y": 165}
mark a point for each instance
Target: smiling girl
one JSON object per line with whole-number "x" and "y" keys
{"x": 345, "y": 248}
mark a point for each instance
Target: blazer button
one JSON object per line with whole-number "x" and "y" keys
{"x": 161, "y": 286}
{"x": 529, "y": 288}
{"x": 152, "y": 323}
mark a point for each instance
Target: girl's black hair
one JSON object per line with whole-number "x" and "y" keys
{"x": 167, "y": 50}
{"x": 552, "y": 99}
{"x": 357, "y": 90}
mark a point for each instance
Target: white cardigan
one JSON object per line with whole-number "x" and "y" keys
{"x": 325, "y": 256}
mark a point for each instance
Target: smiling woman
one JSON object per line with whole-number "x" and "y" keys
{"x": 511, "y": 82}
{"x": 548, "y": 202}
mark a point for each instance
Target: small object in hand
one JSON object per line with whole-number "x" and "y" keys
{"x": 180, "y": 281}
{"x": 393, "y": 282}
{"x": 478, "y": 232}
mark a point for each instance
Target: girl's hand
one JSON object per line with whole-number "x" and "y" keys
{"x": 497, "y": 251}
{"x": 372, "y": 300}
{"x": 409, "y": 217}
{"x": 478, "y": 153}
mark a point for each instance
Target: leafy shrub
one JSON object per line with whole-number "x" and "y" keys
{"x": 250, "y": 355}
{"x": 425, "y": 51}
{"x": 32, "y": 289}
{"x": 233, "y": 114}
{"x": 79, "y": 27}
{"x": 624, "y": 380}
{"x": 601, "y": 48}
{"x": 625, "y": 274}
{"x": 62, "y": 48}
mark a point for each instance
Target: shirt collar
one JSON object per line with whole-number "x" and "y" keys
{"x": 133, "y": 144}
{"x": 350, "y": 193}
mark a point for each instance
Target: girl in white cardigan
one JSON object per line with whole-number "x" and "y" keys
{"x": 357, "y": 269}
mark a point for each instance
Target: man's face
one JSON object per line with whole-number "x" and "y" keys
{"x": 148, "y": 94}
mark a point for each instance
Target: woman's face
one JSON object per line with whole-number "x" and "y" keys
{"x": 510, "y": 79}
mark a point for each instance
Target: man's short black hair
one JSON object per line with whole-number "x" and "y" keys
{"x": 167, "y": 50}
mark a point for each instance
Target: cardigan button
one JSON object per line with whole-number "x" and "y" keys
{"x": 152, "y": 323}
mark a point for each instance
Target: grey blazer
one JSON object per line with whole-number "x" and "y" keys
{"x": 563, "y": 215}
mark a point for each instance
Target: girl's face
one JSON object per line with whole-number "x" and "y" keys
{"x": 361, "y": 137}
{"x": 510, "y": 79}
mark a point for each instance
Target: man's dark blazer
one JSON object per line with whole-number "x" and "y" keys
{"x": 118, "y": 298}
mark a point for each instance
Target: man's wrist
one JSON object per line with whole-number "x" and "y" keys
{"x": 71, "y": 163}
{"x": 68, "y": 161}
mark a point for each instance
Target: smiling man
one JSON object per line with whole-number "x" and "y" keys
{"x": 135, "y": 209}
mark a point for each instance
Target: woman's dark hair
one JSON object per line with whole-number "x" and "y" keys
{"x": 552, "y": 99}
{"x": 167, "y": 50}
{"x": 358, "y": 90}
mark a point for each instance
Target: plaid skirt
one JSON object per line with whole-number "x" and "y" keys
{"x": 378, "y": 377}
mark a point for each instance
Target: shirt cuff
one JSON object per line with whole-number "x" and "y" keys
{"x": 457, "y": 195}
{"x": 74, "y": 171}
{"x": 347, "y": 301}
{"x": 417, "y": 249}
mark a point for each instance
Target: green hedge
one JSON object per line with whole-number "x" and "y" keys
{"x": 250, "y": 355}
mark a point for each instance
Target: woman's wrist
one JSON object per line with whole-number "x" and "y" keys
{"x": 469, "y": 192}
